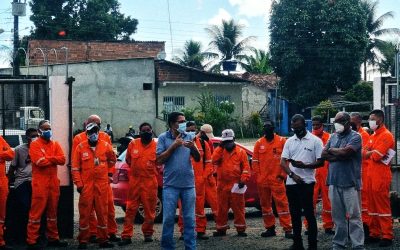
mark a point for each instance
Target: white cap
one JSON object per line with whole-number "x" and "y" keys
{"x": 227, "y": 135}
{"x": 91, "y": 126}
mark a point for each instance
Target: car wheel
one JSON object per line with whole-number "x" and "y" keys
{"x": 140, "y": 214}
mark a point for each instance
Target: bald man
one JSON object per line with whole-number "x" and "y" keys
{"x": 111, "y": 223}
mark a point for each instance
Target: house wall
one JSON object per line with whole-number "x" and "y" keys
{"x": 254, "y": 98}
{"x": 111, "y": 89}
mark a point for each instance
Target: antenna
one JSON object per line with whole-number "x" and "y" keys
{"x": 170, "y": 30}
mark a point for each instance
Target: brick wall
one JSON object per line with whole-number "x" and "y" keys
{"x": 83, "y": 51}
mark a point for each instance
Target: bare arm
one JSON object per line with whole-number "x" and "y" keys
{"x": 164, "y": 156}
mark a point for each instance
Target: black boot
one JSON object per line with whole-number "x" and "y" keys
{"x": 270, "y": 232}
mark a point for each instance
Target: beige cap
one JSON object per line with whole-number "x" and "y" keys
{"x": 208, "y": 129}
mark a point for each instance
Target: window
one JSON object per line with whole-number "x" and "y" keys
{"x": 147, "y": 86}
{"x": 173, "y": 103}
{"x": 222, "y": 98}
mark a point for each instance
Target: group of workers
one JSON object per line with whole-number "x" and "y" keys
{"x": 195, "y": 173}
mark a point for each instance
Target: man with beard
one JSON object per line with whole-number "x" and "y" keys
{"x": 301, "y": 155}
{"x": 270, "y": 180}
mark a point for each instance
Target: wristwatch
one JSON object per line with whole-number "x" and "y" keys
{"x": 290, "y": 174}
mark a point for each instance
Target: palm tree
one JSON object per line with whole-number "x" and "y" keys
{"x": 225, "y": 41}
{"x": 387, "y": 64}
{"x": 192, "y": 55}
{"x": 374, "y": 29}
{"x": 260, "y": 63}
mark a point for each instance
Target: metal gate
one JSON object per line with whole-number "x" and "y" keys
{"x": 23, "y": 103}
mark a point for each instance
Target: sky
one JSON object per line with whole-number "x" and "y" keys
{"x": 188, "y": 20}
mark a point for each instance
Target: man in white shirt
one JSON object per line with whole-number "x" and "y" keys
{"x": 301, "y": 155}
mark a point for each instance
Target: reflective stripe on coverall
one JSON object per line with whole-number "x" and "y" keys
{"x": 143, "y": 186}
{"x": 90, "y": 169}
{"x": 45, "y": 156}
{"x": 202, "y": 170}
{"x": 380, "y": 178}
{"x": 365, "y": 178}
{"x": 270, "y": 181}
{"x": 6, "y": 154}
{"x": 211, "y": 188}
{"x": 111, "y": 223}
{"x": 231, "y": 168}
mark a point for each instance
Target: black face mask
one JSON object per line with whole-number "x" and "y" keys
{"x": 146, "y": 136}
{"x": 230, "y": 146}
{"x": 204, "y": 137}
{"x": 353, "y": 126}
{"x": 300, "y": 132}
{"x": 269, "y": 133}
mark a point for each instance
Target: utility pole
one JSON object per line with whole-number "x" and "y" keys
{"x": 18, "y": 9}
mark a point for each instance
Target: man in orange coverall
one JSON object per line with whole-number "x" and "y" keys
{"x": 355, "y": 121}
{"x": 202, "y": 170}
{"x": 92, "y": 163}
{"x": 232, "y": 169}
{"x": 206, "y": 133}
{"x": 270, "y": 180}
{"x": 143, "y": 185}
{"x": 6, "y": 154}
{"x": 321, "y": 174}
{"x": 111, "y": 223}
{"x": 380, "y": 143}
{"x": 45, "y": 154}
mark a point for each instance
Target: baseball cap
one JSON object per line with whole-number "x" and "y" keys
{"x": 91, "y": 126}
{"x": 208, "y": 129}
{"x": 227, "y": 135}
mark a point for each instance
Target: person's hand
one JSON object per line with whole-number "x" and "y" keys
{"x": 79, "y": 189}
{"x": 178, "y": 141}
{"x": 189, "y": 144}
{"x": 280, "y": 178}
{"x": 297, "y": 179}
{"x": 368, "y": 154}
{"x": 240, "y": 184}
{"x": 298, "y": 164}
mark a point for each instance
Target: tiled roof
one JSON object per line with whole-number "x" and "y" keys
{"x": 261, "y": 80}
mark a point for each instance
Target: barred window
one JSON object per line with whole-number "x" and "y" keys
{"x": 173, "y": 103}
{"x": 222, "y": 98}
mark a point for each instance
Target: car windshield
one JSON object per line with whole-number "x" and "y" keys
{"x": 122, "y": 156}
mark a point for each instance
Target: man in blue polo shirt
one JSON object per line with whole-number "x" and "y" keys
{"x": 174, "y": 149}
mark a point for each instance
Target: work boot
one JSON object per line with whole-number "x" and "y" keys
{"x": 219, "y": 233}
{"x": 385, "y": 243}
{"x": 114, "y": 238}
{"x": 371, "y": 240}
{"x": 202, "y": 236}
{"x": 270, "y": 232}
{"x": 82, "y": 246}
{"x": 366, "y": 231}
{"x": 93, "y": 239}
{"x": 57, "y": 243}
{"x": 242, "y": 234}
{"x": 329, "y": 231}
{"x": 125, "y": 242}
{"x": 288, "y": 235}
{"x": 148, "y": 238}
{"x": 106, "y": 244}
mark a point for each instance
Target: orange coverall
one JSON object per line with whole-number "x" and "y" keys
{"x": 270, "y": 181}
{"x": 365, "y": 179}
{"x": 90, "y": 169}
{"x": 231, "y": 168}
{"x": 6, "y": 154}
{"x": 321, "y": 174}
{"x": 111, "y": 223}
{"x": 143, "y": 186}
{"x": 211, "y": 188}
{"x": 45, "y": 156}
{"x": 380, "y": 179}
{"x": 202, "y": 170}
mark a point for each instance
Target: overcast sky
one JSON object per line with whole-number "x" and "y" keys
{"x": 188, "y": 20}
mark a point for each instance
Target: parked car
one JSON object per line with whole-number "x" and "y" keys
{"x": 121, "y": 180}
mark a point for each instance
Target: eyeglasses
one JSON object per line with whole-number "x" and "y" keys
{"x": 181, "y": 121}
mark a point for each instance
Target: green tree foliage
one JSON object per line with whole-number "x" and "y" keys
{"x": 225, "y": 41}
{"x": 359, "y": 92}
{"x": 80, "y": 20}
{"x": 259, "y": 63}
{"x": 375, "y": 30}
{"x": 325, "y": 109}
{"x": 193, "y": 56}
{"x": 317, "y": 46}
{"x": 388, "y": 51}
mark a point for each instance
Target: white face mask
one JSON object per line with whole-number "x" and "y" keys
{"x": 339, "y": 128}
{"x": 373, "y": 125}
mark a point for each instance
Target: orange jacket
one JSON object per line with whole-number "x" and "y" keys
{"x": 324, "y": 169}
{"x": 6, "y": 154}
{"x": 266, "y": 160}
{"x": 84, "y": 169}
{"x": 380, "y": 142}
{"x": 45, "y": 156}
{"x": 142, "y": 159}
{"x": 365, "y": 140}
{"x": 202, "y": 168}
{"x": 232, "y": 167}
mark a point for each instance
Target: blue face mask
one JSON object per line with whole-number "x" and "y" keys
{"x": 192, "y": 134}
{"x": 182, "y": 128}
{"x": 93, "y": 137}
{"x": 46, "y": 134}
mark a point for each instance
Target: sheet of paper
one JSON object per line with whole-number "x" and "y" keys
{"x": 388, "y": 157}
{"x": 236, "y": 190}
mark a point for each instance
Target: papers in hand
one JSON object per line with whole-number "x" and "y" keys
{"x": 236, "y": 190}
{"x": 388, "y": 157}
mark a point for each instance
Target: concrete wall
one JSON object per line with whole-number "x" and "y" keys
{"x": 254, "y": 98}
{"x": 111, "y": 89}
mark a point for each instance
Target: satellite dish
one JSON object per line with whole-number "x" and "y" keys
{"x": 161, "y": 55}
